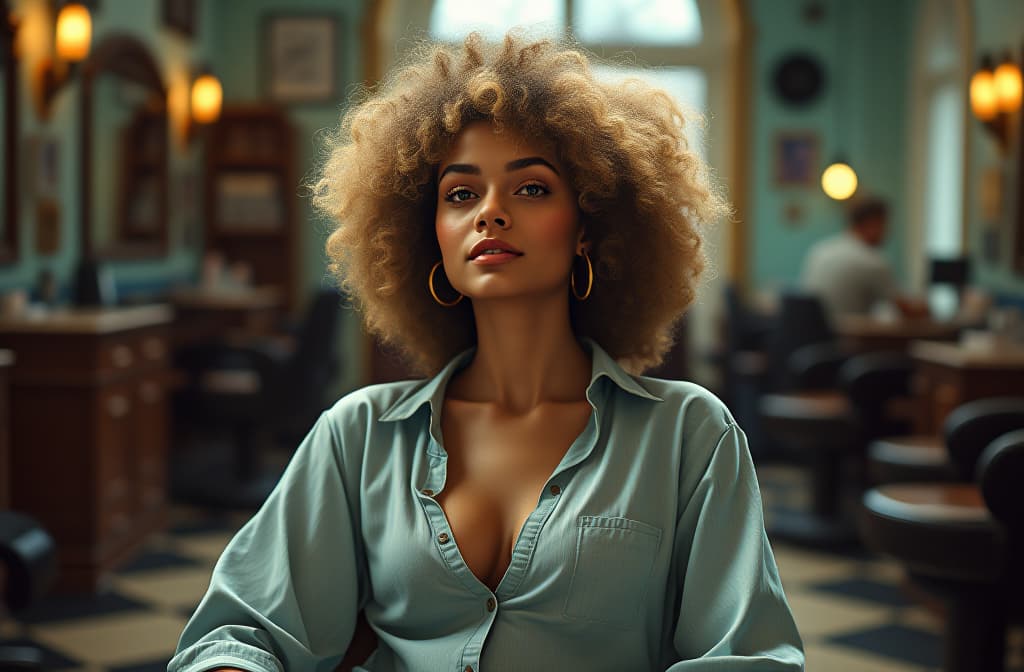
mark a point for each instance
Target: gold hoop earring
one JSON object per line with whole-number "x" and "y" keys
{"x": 433, "y": 293}
{"x": 590, "y": 278}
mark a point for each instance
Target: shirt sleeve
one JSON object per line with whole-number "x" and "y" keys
{"x": 285, "y": 593}
{"x": 733, "y": 613}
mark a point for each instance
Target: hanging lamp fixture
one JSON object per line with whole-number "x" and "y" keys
{"x": 839, "y": 179}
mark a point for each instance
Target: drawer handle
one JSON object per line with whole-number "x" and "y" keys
{"x": 117, "y": 406}
{"x": 154, "y": 348}
{"x": 122, "y": 356}
{"x": 150, "y": 392}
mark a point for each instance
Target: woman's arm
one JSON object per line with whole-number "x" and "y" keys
{"x": 286, "y": 590}
{"x": 732, "y": 613}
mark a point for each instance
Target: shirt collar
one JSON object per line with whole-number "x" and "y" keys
{"x": 432, "y": 390}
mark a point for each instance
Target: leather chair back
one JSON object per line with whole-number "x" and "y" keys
{"x": 871, "y": 380}
{"x": 1000, "y": 475}
{"x": 801, "y": 321}
{"x": 971, "y": 427}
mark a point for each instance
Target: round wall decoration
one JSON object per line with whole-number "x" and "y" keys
{"x": 798, "y": 79}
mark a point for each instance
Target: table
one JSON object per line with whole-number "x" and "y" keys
{"x": 866, "y": 334}
{"x": 207, "y": 315}
{"x": 950, "y": 374}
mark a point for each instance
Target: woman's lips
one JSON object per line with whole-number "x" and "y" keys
{"x": 494, "y": 259}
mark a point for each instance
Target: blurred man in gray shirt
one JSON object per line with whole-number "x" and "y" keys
{"x": 849, "y": 273}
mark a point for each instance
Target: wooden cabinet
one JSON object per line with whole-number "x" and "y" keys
{"x": 947, "y": 375}
{"x": 251, "y": 196}
{"x": 89, "y": 432}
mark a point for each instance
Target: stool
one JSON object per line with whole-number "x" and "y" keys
{"x": 961, "y": 541}
{"x": 909, "y": 459}
{"x": 820, "y": 425}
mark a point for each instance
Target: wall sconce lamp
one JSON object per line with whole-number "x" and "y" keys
{"x": 995, "y": 94}
{"x": 72, "y": 38}
{"x": 206, "y": 97}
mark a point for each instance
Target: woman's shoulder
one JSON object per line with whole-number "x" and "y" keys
{"x": 682, "y": 396}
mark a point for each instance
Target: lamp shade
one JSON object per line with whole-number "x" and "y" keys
{"x": 984, "y": 101}
{"x": 207, "y": 97}
{"x": 1007, "y": 83}
{"x": 839, "y": 181}
{"x": 74, "y": 32}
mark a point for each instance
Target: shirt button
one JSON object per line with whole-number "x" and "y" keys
{"x": 428, "y": 492}
{"x": 491, "y": 603}
{"x": 443, "y": 538}
{"x": 555, "y": 490}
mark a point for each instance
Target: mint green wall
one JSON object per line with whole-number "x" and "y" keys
{"x": 141, "y": 19}
{"x": 998, "y": 25}
{"x": 238, "y": 59}
{"x": 864, "y": 48}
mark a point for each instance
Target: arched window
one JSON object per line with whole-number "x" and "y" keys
{"x": 664, "y": 33}
{"x": 937, "y": 175}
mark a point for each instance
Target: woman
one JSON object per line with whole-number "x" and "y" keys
{"x": 518, "y": 229}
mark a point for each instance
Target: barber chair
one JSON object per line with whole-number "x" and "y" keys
{"x": 798, "y": 353}
{"x": 844, "y": 405}
{"x": 28, "y": 565}
{"x": 962, "y": 542}
{"x": 951, "y": 457}
{"x": 258, "y": 390}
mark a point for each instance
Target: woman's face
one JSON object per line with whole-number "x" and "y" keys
{"x": 508, "y": 194}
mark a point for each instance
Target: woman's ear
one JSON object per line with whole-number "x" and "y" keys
{"x": 582, "y": 242}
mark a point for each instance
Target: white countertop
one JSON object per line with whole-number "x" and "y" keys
{"x": 86, "y": 320}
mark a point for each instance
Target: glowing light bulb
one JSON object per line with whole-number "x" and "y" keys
{"x": 207, "y": 96}
{"x": 839, "y": 181}
{"x": 74, "y": 32}
{"x": 984, "y": 101}
{"x": 1007, "y": 83}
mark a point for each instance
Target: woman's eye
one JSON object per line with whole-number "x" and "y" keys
{"x": 458, "y": 195}
{"x": 533, "y": 190}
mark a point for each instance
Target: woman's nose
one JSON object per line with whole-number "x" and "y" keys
{"x": 492, "y": 213}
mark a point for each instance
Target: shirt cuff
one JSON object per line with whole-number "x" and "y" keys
{"x": 213, "y": 655}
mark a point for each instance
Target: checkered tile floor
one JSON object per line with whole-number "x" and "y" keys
{"x": 853, "y": 611}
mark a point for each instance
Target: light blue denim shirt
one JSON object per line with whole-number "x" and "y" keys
{"x": 646, "y": 551}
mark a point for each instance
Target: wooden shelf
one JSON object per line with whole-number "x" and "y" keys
{"x": 250, "y": 171}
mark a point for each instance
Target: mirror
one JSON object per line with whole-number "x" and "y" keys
{"x": 124, "y": 152}
{"x": 8, "y": 138}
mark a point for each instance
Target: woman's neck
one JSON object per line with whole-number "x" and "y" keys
{"x": 526, "y": 355}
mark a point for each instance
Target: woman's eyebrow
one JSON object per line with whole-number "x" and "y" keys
{"x": 529, "y": 161}
{"x": 518, "y": 164}
{"x": 466, "y": 168}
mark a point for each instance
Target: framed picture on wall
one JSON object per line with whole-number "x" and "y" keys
{"x": 796, "y": 159}
{"x": 302, "y": 55}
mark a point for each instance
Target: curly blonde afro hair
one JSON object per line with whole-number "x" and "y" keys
{"x": 643, "y": 193}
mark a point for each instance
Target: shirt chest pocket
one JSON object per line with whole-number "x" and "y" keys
{"x": 611, "y": 574}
